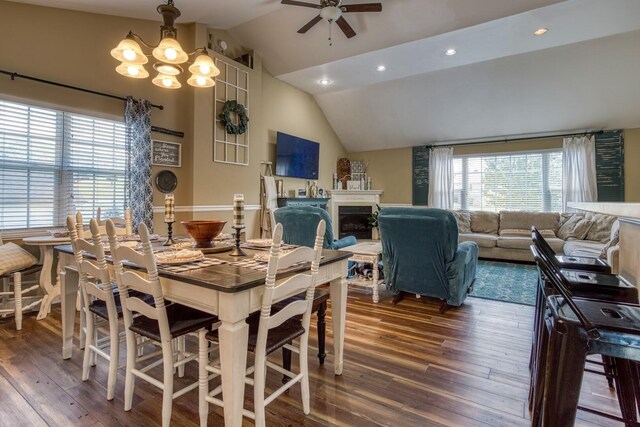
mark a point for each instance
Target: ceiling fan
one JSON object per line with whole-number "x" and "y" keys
{"x": 332, "y": 10}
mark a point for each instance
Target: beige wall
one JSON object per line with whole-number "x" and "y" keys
{"x": 73, "y": 47}
{"x": 391, "y": 169}
{"x": 632, "y": 165}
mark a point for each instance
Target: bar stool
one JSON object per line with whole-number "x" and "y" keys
{"x": 564, "y": 346}
{"x": 582, "y": 283}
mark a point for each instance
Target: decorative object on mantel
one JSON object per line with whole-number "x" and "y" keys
{"x": 358, "y": 174}
{"x": 232, "y": 128}
{"x": 353, "y": 185}
{"x": 343, "y": 169}
{"x": 313, "y": 189}
{"x": 169, "y": 217}
{"x": 169, "y": 54}
{"x": 238, "y": 222}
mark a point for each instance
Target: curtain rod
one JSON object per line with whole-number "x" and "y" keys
{"x": 524, "y": 138}
{"x": 15, "y": 75}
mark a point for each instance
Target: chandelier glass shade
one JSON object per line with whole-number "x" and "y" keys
{"x": 169, "y": 55}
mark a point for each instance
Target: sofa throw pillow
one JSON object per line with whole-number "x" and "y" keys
{"x": 484, "y": 222}
{"x": 601, "y": 229}
{"x": 464, "y": 221}
{"x": 14, "y": 258}
{"x": 575, "y": 227}
{"x": 518, "y": 232}
{"x": 615, "y": 239}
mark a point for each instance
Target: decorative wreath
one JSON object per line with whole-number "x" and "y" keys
{"x": 225, "y": 117}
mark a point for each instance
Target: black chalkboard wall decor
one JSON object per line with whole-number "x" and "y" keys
{"x": 420, "y": 166}
{"x": 610, "y": 166}
{"x": 165, "y": 153}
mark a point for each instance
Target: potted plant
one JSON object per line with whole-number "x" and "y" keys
{"x": 373, "y": 223}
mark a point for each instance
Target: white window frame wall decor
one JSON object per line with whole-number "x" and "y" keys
{"x": 231, "y": 84}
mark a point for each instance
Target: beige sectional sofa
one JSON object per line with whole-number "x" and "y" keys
{"x": 507, "y": 235}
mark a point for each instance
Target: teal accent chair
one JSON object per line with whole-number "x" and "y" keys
{"x": 300, "y": 223}
{"x": 421, "y": 254}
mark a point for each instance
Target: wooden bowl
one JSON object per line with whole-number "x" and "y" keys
{"x": 204, "y": 231}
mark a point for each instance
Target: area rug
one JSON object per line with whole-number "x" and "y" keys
{"x": 505, "y": 281}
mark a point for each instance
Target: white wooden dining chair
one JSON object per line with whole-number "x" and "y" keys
{"x": 15, "y": 264}
{"x": 272, "y": 330}
{"x": 159, "y": 321}
{"x": 123, "y": 225}
{"x": 97, "y": 301}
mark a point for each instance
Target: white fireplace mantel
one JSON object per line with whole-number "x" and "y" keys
{"x": 351, "y": 198}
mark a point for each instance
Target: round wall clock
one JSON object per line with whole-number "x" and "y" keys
{"x": 166, "y": 181}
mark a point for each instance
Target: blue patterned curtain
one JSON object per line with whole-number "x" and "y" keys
{"x": 137, "y": 119}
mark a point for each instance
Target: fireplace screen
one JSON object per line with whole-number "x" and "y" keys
{"x": 354, "y": 221}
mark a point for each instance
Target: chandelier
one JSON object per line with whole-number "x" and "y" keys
{"x": 169, "y": 55}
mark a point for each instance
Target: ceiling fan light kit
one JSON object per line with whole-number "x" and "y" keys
{"x": 332, "y": 11}
{"x": 169, "y": 54}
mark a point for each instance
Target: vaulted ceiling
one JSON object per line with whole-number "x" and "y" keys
{"x": 503, "y": 81}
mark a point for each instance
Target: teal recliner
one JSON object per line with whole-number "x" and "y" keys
{"x": 421, "y": 254}
{"x": 299, "y": 226}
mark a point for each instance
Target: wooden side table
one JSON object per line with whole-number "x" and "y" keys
{"x": 49, "y": 284}
{"x": 369, "y": 252}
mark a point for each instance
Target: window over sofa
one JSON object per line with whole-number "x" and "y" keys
{"x": 53, "y": 163}
{"x": 530, "y": 181}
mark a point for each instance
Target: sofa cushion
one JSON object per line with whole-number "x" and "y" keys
{"x": 585, "y": 248}
{"x": 484, "y": 222}
{"x": 463, "y": 218}
{"x": 576, "y": 227}
{"x": 525, "y": 242}
{"x": 483, "y": 240}
{"x": 601, "y": 229}
{"x": 547, "y": 234}
{"x": 525, "y": 220}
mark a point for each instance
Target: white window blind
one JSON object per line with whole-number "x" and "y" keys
{"x": 516, "y": 181}
{"x": 53, "y": 163}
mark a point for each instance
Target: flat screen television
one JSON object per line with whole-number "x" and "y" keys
{"x": 296, "y": 157}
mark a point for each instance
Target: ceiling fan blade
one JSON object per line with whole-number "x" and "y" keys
{"x": 301, "y": 3}
{"x": 364, "y": 7}
{"x": 345, "y": 27}
{"x": 310, "y": 24}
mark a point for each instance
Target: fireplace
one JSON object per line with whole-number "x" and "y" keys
{"x": 354, "y": 221}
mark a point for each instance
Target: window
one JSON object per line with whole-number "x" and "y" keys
{"x": 529, "y": 181}
{"x": 54, "y": 163}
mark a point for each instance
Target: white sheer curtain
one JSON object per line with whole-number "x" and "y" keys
{"x": 441, "y": 178}
{"x": 579, "y": 170}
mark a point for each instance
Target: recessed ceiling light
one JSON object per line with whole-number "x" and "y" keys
{"x": 450, "y": 52}
{"x": 325, "y": 82}
{"x": 381, "y": 68}
{"x": 540, "y": 31}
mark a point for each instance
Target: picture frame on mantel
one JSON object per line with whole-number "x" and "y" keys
{"x": 353, "y": 185}
{"x": 165, "y": 153}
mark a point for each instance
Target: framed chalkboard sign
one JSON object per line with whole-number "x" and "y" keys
{"x": 165, "y": 153}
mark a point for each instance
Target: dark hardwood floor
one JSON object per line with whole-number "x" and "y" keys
{"x": 405, "y": 365}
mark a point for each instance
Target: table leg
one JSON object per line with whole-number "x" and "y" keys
{"x": 374, "y": 264}
{"x": 338, "y": 289}
{"x": 50, "y": 289}
{"x": 69, "y": 290}
{"x": 234, "y": 334}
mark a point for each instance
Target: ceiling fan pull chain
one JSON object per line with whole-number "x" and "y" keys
{"x": 330, "y": 41}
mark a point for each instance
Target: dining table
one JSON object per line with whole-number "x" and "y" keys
{"x": 230, "y": 287}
